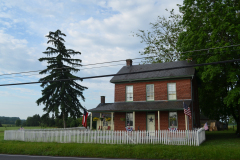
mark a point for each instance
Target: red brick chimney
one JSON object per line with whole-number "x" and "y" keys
{"x": 102, "y": 99}
{"x": 129, "y": 62}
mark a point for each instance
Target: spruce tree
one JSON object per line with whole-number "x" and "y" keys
{"x": 61, "y": 97}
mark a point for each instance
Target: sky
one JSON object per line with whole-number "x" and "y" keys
{"x": 102, "y": 30}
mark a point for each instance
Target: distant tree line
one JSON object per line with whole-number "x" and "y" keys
{"x": 46, "y": 121}
{"x": 8, "y": 120}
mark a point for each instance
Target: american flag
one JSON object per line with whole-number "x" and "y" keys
{"x": 206, "y": 126}
{"x": 84, "y": 120}
{"x": 172, "y": 129}
{"x": 129, "y": 129}
{"x": 187, "y": 110}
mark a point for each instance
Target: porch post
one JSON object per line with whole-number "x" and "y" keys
{"x": 100, "y": 121}
{"x": 134, "y": 120}
{"x": 91, "y": 121}
{"x": 158, "y": 120}
{"x": 112, "y": 121}
{"x": 186, "y": 121}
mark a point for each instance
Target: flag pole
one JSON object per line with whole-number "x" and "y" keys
{"x": 186, "y": 123}
{"x": 188, "y": 127}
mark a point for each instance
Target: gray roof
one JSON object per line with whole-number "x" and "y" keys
{"x": 165, "y": 74}
{"x": 140, "y": 106}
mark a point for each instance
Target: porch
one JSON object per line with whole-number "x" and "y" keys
{"x": 156, "y": 115}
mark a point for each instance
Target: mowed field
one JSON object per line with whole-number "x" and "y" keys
{"x": 219, "y": 145}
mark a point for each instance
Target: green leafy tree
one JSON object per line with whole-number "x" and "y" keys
{"x": 59, "y": 123}
{"x": 52, "y": 121}
{"x": 211, "y": 24}
{"x": 71, "y": 122}
{"x": 162, "y": 39}
{"x": 24, "y": 123}
{"x": 18, "y": 122}
{"x": 61, "y": 98}
{"x": 29, "y": 121}
{"x": 33, "y": 121}
{"x": 36, "y": 120}
{"x": 8, "y": 120}
{"x": 0, "y": 124}
{"x": 231, "y": 120}
{"x": 45, "y": 120}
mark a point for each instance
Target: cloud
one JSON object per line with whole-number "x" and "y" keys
{"x": 18, "y": 56}
{"x": 102, "y": 30}
{"x": 26, "y": 91}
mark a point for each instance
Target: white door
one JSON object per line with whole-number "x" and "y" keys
{"x": 151, "y": 124}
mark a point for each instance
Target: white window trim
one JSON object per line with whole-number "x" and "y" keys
{"x": 127, "y": 93}
{"x": 175, "y": 91}
{"x": 169, "y": 125}
{"x": 126, "y": 119}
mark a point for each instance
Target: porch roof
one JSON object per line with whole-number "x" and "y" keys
{"x": 140, "y": 106}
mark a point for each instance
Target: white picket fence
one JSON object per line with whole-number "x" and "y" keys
{"x": 181, "y": 137}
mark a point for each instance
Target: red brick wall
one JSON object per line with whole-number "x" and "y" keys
{"x": 118, "y": 124}
{"x": 183, "y": 88}
{"x": 163, "y": 120}
{"x": 140, "y": 120}
{"x": 181, "y": 121}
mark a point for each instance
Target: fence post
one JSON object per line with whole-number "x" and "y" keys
{"x": 23, "y": 135}
{"x": 198, "y": 138}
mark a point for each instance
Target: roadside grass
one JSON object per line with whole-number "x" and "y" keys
{"x": 219, "y": 145}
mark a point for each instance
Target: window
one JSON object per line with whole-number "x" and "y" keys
{"x": 150, "y": 92}
{"x": 129, "y": 119}
{"x": 173, "y": 120}
{"x": 129, "y": 93}
{"x": 172, "y": 91}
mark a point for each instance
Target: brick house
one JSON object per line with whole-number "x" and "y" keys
{"x": 152, "y": 100}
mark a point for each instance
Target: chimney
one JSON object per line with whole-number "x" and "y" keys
{"x": 102, "y": 99}
{"x": 129, "y": 62}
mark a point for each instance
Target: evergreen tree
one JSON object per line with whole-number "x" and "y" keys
{"x": 61, "y": 98}
{"x": 212, "y": 24}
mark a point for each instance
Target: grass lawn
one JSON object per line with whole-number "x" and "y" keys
{"x": 219, "y": 145}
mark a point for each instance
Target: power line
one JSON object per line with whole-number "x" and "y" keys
{"x": 66, "y": 67}
{"x": 63, "y": 71}
{"x": 22, "y": 76}
{"x": 119, "y": 74}
{"x": 132, "y": 59}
